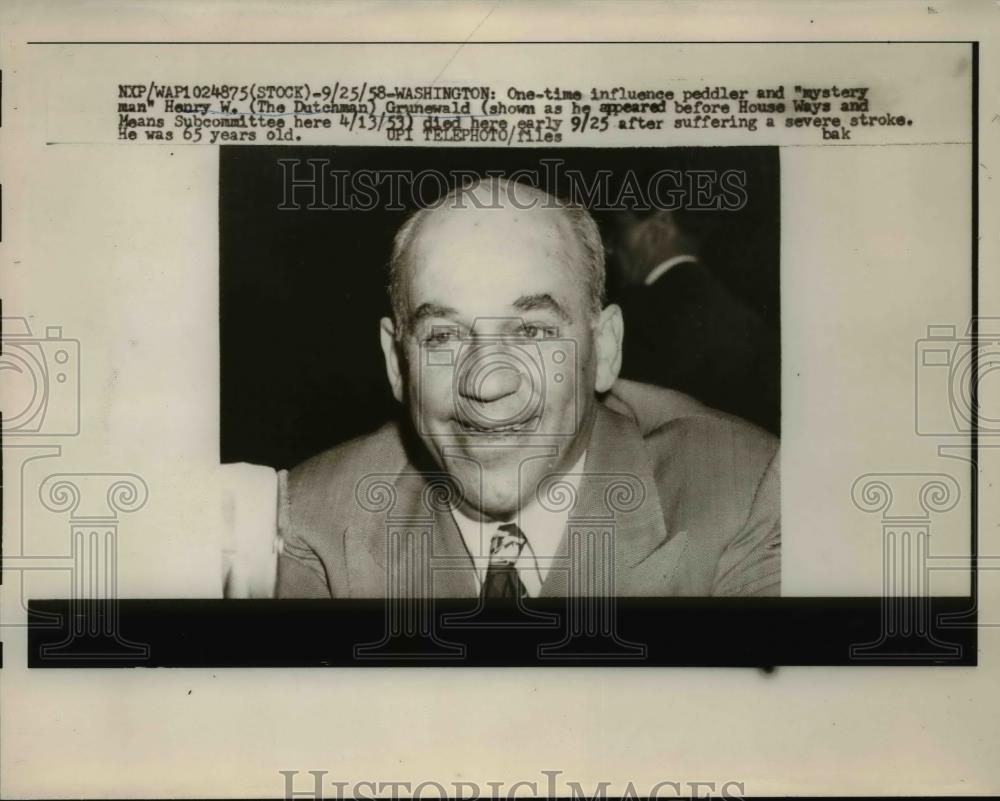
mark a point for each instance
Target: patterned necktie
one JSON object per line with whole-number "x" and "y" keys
{"x": 501, "y": 579}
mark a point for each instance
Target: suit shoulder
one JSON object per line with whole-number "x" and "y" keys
{"x": 329, "y": 478}
{"x": 720, "y": 435}
{"x": 715, "y": 458}
{"x": 694, "y": 444}
{"x": 712, "y": 471}
{"x": 661, "y": 413}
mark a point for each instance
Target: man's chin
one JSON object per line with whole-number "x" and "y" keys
{"x": 491, "y": 508}
{"x": 487, "y": 492}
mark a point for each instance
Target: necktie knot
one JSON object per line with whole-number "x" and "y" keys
{"x": 506, "y": 545}
{"x": 501, "y": 579}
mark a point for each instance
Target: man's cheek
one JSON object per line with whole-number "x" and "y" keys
{"x": 432, "y": 400}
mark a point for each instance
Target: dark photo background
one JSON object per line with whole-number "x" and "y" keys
{"x": 301, "y": 291}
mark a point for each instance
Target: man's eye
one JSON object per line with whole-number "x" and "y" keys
{"x": 441, "y": 336}
{"x": 537, "y": 331}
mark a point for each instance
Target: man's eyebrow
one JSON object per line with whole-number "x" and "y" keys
{"x": 425, "y": 310}
{"x": 544, "y": 302}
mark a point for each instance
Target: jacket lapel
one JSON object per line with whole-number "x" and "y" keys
{"x": 415, "y": 544}
{"x": 616, "y": 521}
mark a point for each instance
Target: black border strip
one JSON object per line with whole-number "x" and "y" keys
{"x": 684, "y": 632}
{"x": 974, "y": 332}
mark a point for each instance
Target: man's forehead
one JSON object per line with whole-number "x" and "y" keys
{"x": 480, "y": 262}
{"x": 544, "y": 229}
{"x": 475, "y": 217}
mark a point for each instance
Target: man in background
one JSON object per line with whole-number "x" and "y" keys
{"x": 685, "y": 329}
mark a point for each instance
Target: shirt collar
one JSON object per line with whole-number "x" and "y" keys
{"x": 657, "y": 272}
{"x": 543, "y": 528}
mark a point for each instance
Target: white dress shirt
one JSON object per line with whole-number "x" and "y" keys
{"x": 543, "y": 528}
{"x": 662, "y": 267}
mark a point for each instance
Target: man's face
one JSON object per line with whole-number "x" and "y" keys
{"x": 503, "y": 354}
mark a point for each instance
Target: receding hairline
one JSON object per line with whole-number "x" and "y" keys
{"x": 573, "y": 223}
{"x": 554, "y": 218}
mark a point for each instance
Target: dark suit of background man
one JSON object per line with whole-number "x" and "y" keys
{"x": 517, "y": 436}
{"x": 685, "y": 329}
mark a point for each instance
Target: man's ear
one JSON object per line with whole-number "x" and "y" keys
{"x": 608, "y": 334}
{"x": 390, "y": 349}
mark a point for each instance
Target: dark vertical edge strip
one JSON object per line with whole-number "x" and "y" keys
{"x": 974, "y": 325}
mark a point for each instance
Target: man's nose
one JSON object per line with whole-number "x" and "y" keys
{"x": 485, "y": 379}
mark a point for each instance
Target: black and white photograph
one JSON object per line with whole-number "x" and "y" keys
{"x": 556, "y": 367}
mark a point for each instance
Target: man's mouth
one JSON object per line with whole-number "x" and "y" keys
{"x": 485, "y": 427}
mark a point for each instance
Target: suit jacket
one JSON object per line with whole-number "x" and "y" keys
{"x": 688, "y": 332}
{"x": 676, "y": 500}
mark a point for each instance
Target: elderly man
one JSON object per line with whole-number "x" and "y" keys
{"x": 531, "y": 468}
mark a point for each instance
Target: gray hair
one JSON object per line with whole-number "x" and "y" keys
{"x": 581, "y": 223}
